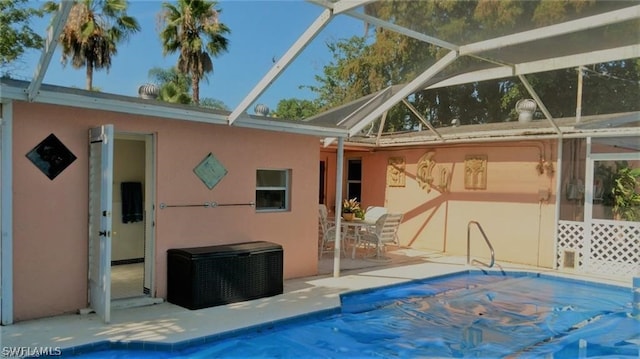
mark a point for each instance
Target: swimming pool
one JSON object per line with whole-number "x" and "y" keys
{"x": 473, "y": 314}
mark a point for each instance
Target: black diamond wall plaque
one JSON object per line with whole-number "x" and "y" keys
{"x": 51, "y": 156}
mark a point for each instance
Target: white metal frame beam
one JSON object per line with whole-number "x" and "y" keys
{"x": 538, "y": 100}
{"x": 337, "y": 247}
{"x": 572, "y": 26}
{"x": 364, "y": 105}
{"x": 6, "y": 213}
{"x": 403, "y": 30}
{"x": 407, "y": 90}
{"x": 302, "y": 42}
{"x": 557, "y": 63}
{"x": 346, "y": 5}
{"x": 421, "y": 118}
{"x": 53, "y": 34}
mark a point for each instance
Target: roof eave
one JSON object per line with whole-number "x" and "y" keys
{"x": 134, "y": 106}
{"x": 546, "y": 134}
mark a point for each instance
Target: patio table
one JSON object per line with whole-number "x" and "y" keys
{"x": 352, "y": 229}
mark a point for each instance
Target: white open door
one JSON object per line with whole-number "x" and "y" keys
{"x": 100, "y": 203}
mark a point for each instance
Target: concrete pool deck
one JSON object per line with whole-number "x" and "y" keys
{"x": 167, "y": 324}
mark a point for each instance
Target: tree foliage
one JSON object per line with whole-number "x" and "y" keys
{"x": 213, "y": 103}
{"x": 295, "y": 109}
{"x": 16, "y": 34}
{"x": 173, "y": 86}
{"x": 192, "y": 28}
{"x": 363, "y": 65}
{"x": 92, "y": 33}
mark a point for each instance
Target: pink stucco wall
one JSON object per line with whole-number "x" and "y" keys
{"x": 519, "y": 224}
{"x": 50, "y": 217}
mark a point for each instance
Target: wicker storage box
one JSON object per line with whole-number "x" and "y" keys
{"x": 208, "y": 276}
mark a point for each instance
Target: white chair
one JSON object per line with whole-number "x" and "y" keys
{"x": 385, "y": 232}
{"x": 372, "y": 213}
{"x": 327, "y": 230}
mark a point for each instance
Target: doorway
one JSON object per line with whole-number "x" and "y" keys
{"x": 132, "y": 227}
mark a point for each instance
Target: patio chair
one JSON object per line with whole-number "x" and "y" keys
{"x": 372, "y": 213}
{"x": 328, "y": 231}
{"x": 385, "y": 232}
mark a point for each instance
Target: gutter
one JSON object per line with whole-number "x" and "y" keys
{"x": 622, "y": 132}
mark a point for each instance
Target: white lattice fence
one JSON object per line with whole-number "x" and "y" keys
{"x": 613, "y": 249}
{"x": 571, "y": 238}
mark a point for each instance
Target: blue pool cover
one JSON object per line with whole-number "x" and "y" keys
{"x": 469, "y": 315}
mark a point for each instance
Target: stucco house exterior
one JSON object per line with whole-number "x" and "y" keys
{"x": 45, "y": 212}
{"x": 535, "y": 188}
{"x": 70, "y": 160}
{"x": 512, "y": 178}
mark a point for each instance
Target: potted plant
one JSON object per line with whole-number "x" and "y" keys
{"x": 350, "y": 208}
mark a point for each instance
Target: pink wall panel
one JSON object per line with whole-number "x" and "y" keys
{"x": 50, "y": 217}
{"x": 518, "y": 223}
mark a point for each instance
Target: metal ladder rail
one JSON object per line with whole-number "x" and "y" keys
{"x": 493, "y": 256}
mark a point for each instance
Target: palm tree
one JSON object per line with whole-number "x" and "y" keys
{"x": 92, "y": 32}
{"x": 174, "y": 85}
{"x": 184, "y": 26}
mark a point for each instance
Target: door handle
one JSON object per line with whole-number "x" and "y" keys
{"x": 102, "y": 233}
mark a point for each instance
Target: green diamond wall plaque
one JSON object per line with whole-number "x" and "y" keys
{"x": 210, "y": 171}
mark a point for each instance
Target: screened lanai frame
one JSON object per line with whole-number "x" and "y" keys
{"x": 490, "y": 56}
{"x": 494, "y": 56}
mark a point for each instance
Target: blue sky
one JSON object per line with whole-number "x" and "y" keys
{"x": 261, "y": 30}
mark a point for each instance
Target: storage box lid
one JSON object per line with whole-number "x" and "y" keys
{"x": 226, "y": 249}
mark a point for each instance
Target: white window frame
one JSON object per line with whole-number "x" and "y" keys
{"x": 286, "y": 188}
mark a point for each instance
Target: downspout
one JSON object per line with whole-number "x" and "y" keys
{"x": 6, "y": 215}
{"x": 338, "y": 209}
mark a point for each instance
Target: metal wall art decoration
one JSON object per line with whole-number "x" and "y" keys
{"x": 424, "y": 173}
{"x": 396, "y": 172}
{"x": 475, "y": 172}
{"x": 51, "y": 156}
{"x": 210, "y": 171}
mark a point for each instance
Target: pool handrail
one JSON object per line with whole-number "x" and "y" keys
{"x": 493, "y": 255}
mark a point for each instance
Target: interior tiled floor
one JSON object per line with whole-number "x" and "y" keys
{"x": 167, "y": 323}
{"x": 127, "y": 280}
